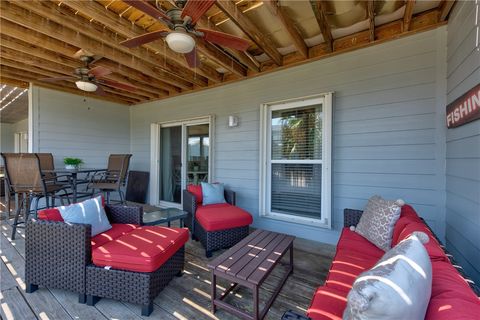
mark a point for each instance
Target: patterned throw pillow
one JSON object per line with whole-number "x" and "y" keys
{"x": 397, "y": 287}
{"x": 378, "y": 220}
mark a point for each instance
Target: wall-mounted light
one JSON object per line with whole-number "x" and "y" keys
{"x": 232, "y": 121}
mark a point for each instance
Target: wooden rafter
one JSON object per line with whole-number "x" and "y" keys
{"x": 62, "y": 85}
{"x": 407, "y": 17}
{"x": 264, "y": 43}
{"x": 13, "y": 82}
{"x": 62, "y": 53}
{"x": 287, "y": 23}
{"x": 77, "y": 31}
{"x": 128, "y": 30}
{"x": 371, "y": 18}
{"x": 319, "y": 10}
{"x": 444, "y": 9}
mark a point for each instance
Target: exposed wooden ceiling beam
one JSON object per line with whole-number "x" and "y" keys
{"x": 407, "y": 17}
{"x": 371, "y": 18}
{"x": 128, "y": 30}
{"x": 62, "y": 53}
{"x": 79, "y": 32}
{"x": 319, "y": 10}
{"x": 12, "y": 73}
{"x": 287, "y": 23}
{"x": 239, "y": 18}
{"x": 13, "y": 82}
{"x": 42, "y": 70}
{"x": 444, "y": 9}
{"x": 49, "y": 69}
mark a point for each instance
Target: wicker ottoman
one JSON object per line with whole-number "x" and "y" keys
{"x": 129, "y": 286}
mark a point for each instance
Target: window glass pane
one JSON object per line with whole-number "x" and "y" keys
{"x": 197, "y": 153}
{"x": 297, "y": 133}
{"x": 296, "y": 189}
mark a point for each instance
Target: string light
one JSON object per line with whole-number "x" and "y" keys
{"x": 11, "y": 91}
{"x": 3, "y": 87}
{"x": 16, "y": 97}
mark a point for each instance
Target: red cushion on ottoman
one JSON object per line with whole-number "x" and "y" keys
{"x": 222, "y": 216}
{"x": 118, "y": 229}
{"x": 51, "y": 214}
{"x": 327, "y": 303}
{"x": 144, "y": 249}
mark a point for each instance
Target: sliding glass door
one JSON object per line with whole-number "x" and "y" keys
{"x": 184, "y": 158}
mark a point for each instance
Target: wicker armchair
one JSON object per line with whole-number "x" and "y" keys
{"x": 57, "y": 253}
{"x": 212, "y": 240}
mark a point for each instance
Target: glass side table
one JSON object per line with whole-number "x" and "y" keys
{"x": 166, "y": 215}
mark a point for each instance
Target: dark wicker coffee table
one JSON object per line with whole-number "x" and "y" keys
{"x": 166, "y": 215}
{"x": 248, "y": 263}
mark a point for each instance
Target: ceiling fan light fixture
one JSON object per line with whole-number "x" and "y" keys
{"x": 86, "y": 86}
{"x": 180, "y": 42}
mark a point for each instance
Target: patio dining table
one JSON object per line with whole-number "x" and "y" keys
{"x": 73, "y": 173}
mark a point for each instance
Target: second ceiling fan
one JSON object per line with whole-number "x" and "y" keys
{"x": 181, "y": 21}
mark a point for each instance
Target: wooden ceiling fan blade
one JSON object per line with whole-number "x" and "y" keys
{"x": 66, "y": 78}
{"x": 192, "y": 58}
{"x": 147, "y": 8}
{"x": 225, "y": 39}
{"x": 196, "y": 8}
{"x": 144, "y": 38}
{"x": 118, "y": 85}
{"x": 99, "y": 71}
{"x": 100, "y": 91}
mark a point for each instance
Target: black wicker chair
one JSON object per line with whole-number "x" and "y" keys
{"x": 59, "y": 255}
{"x": 211, "y": 240}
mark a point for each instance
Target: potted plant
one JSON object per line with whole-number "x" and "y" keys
{"x": 72, "y": 163}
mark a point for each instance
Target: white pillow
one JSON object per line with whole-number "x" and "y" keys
{"x": 378, "y": 220}
{"x": 397, "y": 287}
{"x": 89, "y": 212}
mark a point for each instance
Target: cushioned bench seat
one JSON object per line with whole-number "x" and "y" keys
{"x": 222, "y": 216}
{"x": 118, "y": 230}
{"x": 144, "y": 249}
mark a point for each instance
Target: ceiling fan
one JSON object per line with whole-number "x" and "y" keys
{"x": 91, "y": 79}
{"x": 181, "y": 21}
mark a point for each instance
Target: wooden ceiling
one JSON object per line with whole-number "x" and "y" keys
{"x": 39, "y": 40}
{"x": 13, "y": 104}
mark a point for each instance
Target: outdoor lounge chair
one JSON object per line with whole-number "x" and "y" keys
{"x": 217, "y": 226}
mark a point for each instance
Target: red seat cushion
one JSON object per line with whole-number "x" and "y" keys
{"x": 222, "y": 216}
{"x": 327, "y": 303}
{"x": 346, "y": 267}
{"x": 144, "y": 249}
{"x": 51, "y": 214}
{"x": 197, "y": 192}
{"x": 117, "y": 230}
{"x": 452, "y": 297}
{"x": 353, "y": 241}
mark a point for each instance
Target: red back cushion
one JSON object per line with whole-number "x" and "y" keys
{"x": 197, "y": 192}
{"x": 51, "y": 214}
{"x": 433, "y": 247}
{"x": 408, "y": 211}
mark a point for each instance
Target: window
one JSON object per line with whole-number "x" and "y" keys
{"x": 296, "y": 148}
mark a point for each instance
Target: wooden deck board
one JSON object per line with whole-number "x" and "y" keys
{"x": 187, "y": 297}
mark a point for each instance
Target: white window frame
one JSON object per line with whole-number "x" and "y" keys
{"x": 155, "y": 129}
{"x": 266, "y": 109}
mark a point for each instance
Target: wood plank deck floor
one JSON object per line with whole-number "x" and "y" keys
{"x": 187, "y": 297}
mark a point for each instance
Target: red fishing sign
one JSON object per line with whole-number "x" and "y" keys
{"x": 465, "y": 109}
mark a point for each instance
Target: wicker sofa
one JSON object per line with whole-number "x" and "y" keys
{"x": 217, "y": 226}
{"x": 454, "y": 296}
{"x": 65, "y": 256}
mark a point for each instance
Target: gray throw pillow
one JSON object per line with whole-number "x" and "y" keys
{"x": 378, "y": 220}
{"x": 88, "y": 212}
{"x": 397, "y": 287}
